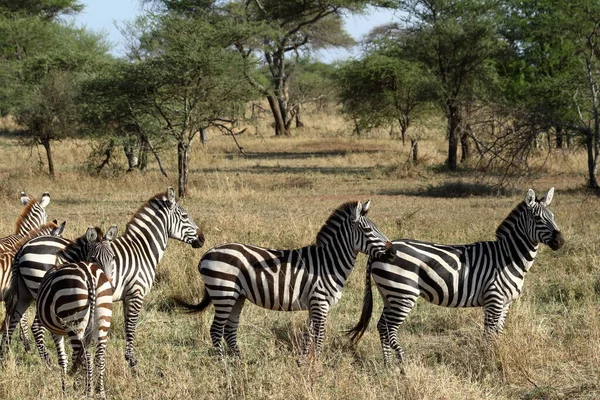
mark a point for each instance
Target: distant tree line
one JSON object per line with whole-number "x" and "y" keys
{"x": 505, "y": 75}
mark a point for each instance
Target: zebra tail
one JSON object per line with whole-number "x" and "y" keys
{"x": 11, "y": 294}
{"x": 193, "y": 308}
{"x": 89, "y": 329}
{"x": 365, "y": 316}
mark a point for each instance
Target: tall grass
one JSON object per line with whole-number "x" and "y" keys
{"x": 279, "y": 196}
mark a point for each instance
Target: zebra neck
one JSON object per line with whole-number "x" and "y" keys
{"x": 338, "y": 261}
{"x": 517, "y": 251}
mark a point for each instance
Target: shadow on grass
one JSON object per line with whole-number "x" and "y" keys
{"x": 300, "y": 155}
{"x": 278, "y": 169}
{"x": 456, "y": 189}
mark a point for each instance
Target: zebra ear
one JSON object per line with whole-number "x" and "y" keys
{"x": 91, "y": 235}
{"x": 58, "y": 231}
{"x": 530, "y": 198}
{"x": 356, "y": 212}
{"x": 112, "y": 233}
{"x": 548, "y": 198}
{"x": 24, "y": 199}
{"x": 365, "y": 207}
{"x": 171, "y": 196}
{"x": 45, "y": 200}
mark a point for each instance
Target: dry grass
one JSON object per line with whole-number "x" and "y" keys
{"x": 278, "y": 197}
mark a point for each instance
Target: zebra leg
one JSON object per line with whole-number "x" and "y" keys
{"x": 16, "y": 311}
{"x": 319, "y": 319}
{"x": 133, "y": 306}
{"x": 24, "y": 339}
{"x": 100, "y": 364}
{"x": 59, "y": 341}
{"x": 307, "y": 341}
{"x": 493, "y": 311}
{"x": 232, "y": 325}
{"x": 500, "y": 326}
{"x": 223, "y": 311}
{"x": 38, "y": 331}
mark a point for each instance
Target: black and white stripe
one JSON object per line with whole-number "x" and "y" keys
{"x": 137, "y": 253}
{"x": 309, "y": 278}
{"x": 483, "y": 274}
{"x": 75, "y": 300}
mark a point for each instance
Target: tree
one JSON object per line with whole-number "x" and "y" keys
{"x": 42, "y": 62}
{"x": 457, "y": 41}
{"x": 276, "y": 28}
{"x": 553, "y": 75}
{"x": 383, "y": 89}
{"x": 187, "y": 80}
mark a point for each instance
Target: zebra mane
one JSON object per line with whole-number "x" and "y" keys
{"x": 160, "y": 197}
{"x": 334, "y": 221}
{"x": 509, "y": 223}
{"x": 26, "y": 210}
{"x": 36, "y": 232}
{"x": 77, "y": 244}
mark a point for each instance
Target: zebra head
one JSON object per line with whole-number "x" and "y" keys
{"x": 368, "y": 239}
{"x": 34, "y": 214}
{"x": 540, "y": 223}
{"x": 181, "y": 226}
{"x": 99, "y": 249}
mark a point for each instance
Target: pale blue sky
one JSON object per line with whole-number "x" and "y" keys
{"x": 102, "y": 15}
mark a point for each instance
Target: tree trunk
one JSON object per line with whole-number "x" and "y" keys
{"x": 280, "y": 129}
{"x": 465, "y": 153}
{"x": 414, "y": 149}
{"x": 559, "y": 137}
{"x": 453, "y": 128}
{"x": 299, "y": 123}
{"x": 204, "y": 139}
{"x": 404, "y": 124}
{"x": 183, "y": 156}
{"x": 143, "y": 154}
{"x": 46, "y": 143}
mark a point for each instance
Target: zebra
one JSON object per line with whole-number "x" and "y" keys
{"x": 32, "y": 216}
{"x": 137, "y": 253}
{"x": 486, "y": 274}
{"x": 75, "y": 300}
{"x": 308, "y": 278}
{"x": 30, "y": 223}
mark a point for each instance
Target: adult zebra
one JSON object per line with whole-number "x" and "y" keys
{"x": 137, "y": 253}
{"x": 309, "y": 278}
{"x": 30, "y": 223}
{"x": 75, "y": 300}
{"x": 483, "y": 274}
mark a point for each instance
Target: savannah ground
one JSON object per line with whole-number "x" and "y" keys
{"x": 279, "y": 196}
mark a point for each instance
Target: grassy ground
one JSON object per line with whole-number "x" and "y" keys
{"x": 279, "y": 196}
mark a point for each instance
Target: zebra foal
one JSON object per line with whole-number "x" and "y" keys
{"x": 309, "y": 278}
{"x": 75, "y": 300}
{"x": 483, "y": 274}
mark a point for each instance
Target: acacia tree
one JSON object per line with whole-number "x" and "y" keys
{"x": 190, "y": 80}
{"x": 41, "y": 63}
{"x": 457, "y": 41}
{"x": 279, "y": 28}
{"x": 384, "y": 89}
{"x": 552, "y": 73}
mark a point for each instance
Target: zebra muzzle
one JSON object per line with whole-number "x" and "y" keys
{"x": 390, "y": 253}
{"x": 557, "y": 241}
{"x": 199, "y": 241}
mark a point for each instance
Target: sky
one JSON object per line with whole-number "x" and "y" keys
{"x": 105, "y": 15}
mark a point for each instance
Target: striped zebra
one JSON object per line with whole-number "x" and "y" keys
{"x": 137, "y": 253}
{"x": 30, "y": 223}
{"x": 75, "y": 300}
{"x": 484, "y": 274}
{"x": 309, "y": 278}
{"x": 32, "y": 216}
